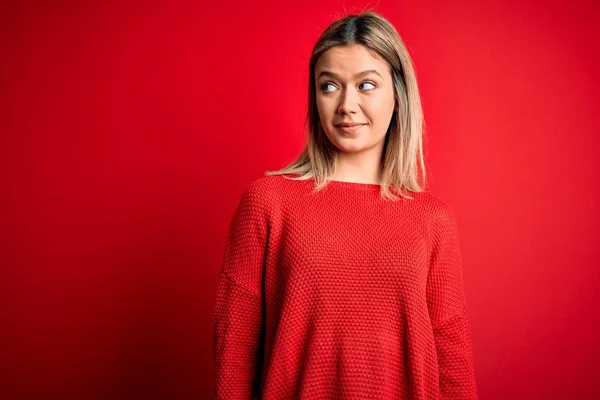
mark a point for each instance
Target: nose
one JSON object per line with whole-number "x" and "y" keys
{"x": 348, "y": 101}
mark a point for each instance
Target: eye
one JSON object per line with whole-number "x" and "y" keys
{"x": 324, "y": 86}
{"x": 369, "y": 83}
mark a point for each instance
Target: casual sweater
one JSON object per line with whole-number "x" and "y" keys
{"x": 341, "y": 294}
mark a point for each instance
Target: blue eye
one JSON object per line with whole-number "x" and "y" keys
{"x": 324, "y": 86}
{"x": 369, "y": 83}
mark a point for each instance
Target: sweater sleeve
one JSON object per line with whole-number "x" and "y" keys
{"x": 238, "y": 313}
{"x": 448, "y": 310}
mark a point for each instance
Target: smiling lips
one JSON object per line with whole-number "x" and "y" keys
{"x": 349, "y": 127}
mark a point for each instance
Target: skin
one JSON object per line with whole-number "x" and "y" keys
{"x": 347, "y": 97}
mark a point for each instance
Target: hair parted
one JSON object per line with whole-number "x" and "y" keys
{"x": 402, "y": 159}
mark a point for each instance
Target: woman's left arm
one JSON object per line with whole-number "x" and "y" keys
{"x": 448, "y": 310}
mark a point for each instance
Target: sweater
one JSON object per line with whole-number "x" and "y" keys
{"x": 341, "y": 294}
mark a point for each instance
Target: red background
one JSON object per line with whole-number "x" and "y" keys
{"x": 129, "y": 130}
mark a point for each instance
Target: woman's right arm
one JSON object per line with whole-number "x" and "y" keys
{"x": 238, "y": 326}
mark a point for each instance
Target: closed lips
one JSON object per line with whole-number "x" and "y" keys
{"x": 346, "y": 125}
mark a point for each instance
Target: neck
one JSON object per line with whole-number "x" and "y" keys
{"x": 358, "y": 167}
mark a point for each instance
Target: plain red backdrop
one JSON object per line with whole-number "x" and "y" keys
{"x": 129, "y": 130}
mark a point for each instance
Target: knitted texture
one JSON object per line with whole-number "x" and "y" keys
{"x": 341, "y": 294}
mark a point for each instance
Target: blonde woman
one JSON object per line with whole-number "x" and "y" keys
{"x": 342, "y": 276}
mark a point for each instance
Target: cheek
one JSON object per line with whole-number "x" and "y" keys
{"x": 381, "y": 109}
{"x": 326, "y": 112}
{"x": 323, "y": 106}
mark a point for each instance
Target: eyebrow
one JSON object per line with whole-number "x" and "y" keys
{"x": 363, "y": 73}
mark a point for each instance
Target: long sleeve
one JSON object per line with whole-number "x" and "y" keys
{"x": 448, "y": 310}
{"x": 238, "y": 314}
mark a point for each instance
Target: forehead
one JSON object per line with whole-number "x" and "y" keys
{"x": 350, "y": 59}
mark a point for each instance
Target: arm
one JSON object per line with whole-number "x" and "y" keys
{"x": 448, "y": 310}
{"x": 238, "y": 312}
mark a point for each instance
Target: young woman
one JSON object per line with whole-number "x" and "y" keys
{"x": 342, "y": 276}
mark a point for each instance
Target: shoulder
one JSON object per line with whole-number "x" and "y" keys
{"x": 274, "y": 187}
{"x": 437, "y": 210}
{"x": 265, "y": 187}
{"x": 261, "y": 194}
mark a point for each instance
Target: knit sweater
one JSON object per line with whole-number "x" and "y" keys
{"x": 341, "y": 294}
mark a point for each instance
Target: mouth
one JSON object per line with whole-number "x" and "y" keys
{"x": 349, "y": 128}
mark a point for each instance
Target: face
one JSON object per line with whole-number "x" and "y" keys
{"x": 354, "y": 86}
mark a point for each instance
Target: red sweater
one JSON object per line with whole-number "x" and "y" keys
{"x": 341, "y": 294}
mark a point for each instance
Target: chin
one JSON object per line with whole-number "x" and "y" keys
{"x": 350, "y": 146}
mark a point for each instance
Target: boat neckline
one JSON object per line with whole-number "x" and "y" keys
{"x": 354, "y": 185}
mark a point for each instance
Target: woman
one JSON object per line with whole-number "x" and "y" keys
{"x": 336, "y": 281}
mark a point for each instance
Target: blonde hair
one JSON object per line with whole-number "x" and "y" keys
{"x": 403, "y": 148}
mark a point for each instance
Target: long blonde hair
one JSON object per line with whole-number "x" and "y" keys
{"x": 403, "y": 148}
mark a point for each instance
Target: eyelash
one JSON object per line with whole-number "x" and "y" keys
{"x": 324, "y": 85}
